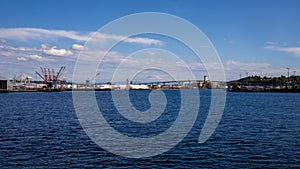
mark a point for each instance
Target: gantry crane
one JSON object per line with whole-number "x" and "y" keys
{"x": 50, "y": 78}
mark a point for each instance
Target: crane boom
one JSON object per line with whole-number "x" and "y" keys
{"x": 60, "y": 72}
{"x": 42, "y": 71}
{"x": 40, "y": 75}
{"x": 52, "y": 75}
{"x": 49, "y": 75}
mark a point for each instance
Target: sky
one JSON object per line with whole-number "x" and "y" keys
{"x": 259, "y": 37}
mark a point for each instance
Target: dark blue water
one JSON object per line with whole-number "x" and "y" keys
{"x": 257, "y": 130}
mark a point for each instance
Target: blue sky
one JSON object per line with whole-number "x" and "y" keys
{"x": 260, "y": 37}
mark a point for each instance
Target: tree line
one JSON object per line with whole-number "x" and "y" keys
{"x": 267, "y": 81}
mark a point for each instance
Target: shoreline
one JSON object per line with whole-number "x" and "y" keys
{"x": 266, "y": 90}
{"x": 92, "y": 89}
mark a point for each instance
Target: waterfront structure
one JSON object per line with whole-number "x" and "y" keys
{"x": 3, "y": 84}
{"x": 52, "y": 80}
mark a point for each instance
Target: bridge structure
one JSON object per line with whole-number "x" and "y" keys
{"x": 178, "y": 84}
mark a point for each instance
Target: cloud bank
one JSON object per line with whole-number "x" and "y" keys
{"x": 25, "y": 34}
{"x": 77, "y": 47}
{"x": 293, "y": 50}
{"x": 54, "y": 51}
{"x": 38, "y": 33}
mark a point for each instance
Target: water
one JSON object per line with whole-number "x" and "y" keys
{"x": 257, "y": 130}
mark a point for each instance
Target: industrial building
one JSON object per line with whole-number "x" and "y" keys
{"x": 3, "y": 84}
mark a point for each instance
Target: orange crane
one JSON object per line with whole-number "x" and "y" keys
{"x": 49, "y": 78}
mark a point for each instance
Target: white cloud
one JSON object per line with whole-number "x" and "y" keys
{"x": 33, "y": 57}
{"x": 254, "y": 68}
{"x": 16, "y": 48}
{"x": 54, "y": 51}
{"x": 271, "y": 43}
{"x": 145, "y": 41}
{"x": 37, "y": 33}
{"x": 45, "y": 49}
{"x": 44, "y": 46}
{"x": 100, "y": 37}
{"x": 36, "y": 57}
{"x": 151, "y": 53}
{"x": 247, "y": 65}
{"x": 233, "y": 69}
{"x": 25, "y": 34}
{"x": 77, "y": 47}
{"x": 293, "y": 50}
{"x": 22, "y": 59}
{"x": 11, "y": 51}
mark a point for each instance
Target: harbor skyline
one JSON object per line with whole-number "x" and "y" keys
{"x": 254, "y": 38}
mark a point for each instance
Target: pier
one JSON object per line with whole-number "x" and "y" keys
{"x": 51, "y": 83}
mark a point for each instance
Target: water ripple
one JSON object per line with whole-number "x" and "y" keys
{"x": 258, "y": 130}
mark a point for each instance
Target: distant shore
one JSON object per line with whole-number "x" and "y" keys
{"x": 266, "y": 90}
{"x": 82, "y": 89}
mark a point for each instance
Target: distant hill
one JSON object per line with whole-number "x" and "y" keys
{"x": 258, "y": 83}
